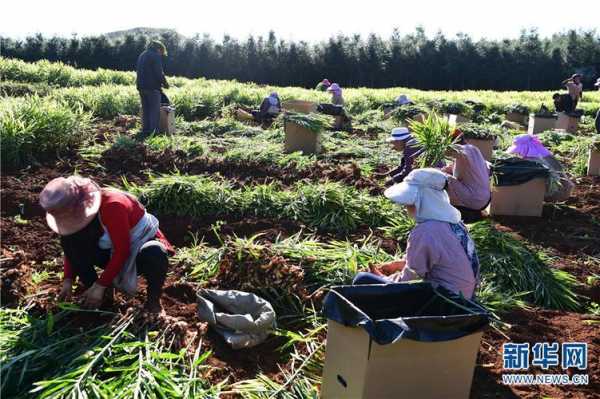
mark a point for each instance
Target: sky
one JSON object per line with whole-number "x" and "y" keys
{"x": 310, "y": 20}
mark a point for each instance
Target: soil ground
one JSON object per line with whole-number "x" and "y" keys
{"x": 568, "y": 232}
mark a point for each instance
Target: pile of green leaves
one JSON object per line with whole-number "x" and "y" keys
{"x": 326, "y": 207}
{"x": 515, "y": 270}
{"x": 544, "y": 112}
{"x": 480, "y": 132}
{"x": 517, "y": 108}
{"x": 434, "y": 136}
{"x": 53, "y": 358}
{"x": 405, "y": 112}
{"x": 451, "y": 107}
{"x": 313, "y": 122}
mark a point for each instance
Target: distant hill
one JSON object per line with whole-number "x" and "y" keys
{"x": 118, "y": 35}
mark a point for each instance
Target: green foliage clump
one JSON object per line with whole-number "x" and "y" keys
{"x": 517, "y": 108}
{"x": 313, "y": 122}
{"x": 515, "y": 270}
{"x": 434, "y": 136}
{"x": 36, "y": 129}
{"x": 480, "y": 132}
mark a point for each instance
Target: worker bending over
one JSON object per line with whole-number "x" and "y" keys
{"x": 107, "y": 228}
{"x": 468, "y": 177}
{"x": 558, "y": 185}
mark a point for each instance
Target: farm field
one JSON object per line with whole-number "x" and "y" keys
{"x": 245, "y": 215}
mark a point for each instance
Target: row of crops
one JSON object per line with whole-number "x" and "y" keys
{"x": 50, "y": 111}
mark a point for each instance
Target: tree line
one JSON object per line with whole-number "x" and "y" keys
{"x": 529, "y": 62}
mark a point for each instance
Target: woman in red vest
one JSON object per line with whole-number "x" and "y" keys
{"x": 107, "y": 228}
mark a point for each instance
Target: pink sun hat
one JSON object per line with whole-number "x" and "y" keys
{"x": 326, "y": 82}
{"x": 70, "y": 203}
{"x": 528, "y": 146}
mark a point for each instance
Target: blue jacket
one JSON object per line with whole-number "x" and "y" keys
{"x": 150, "y": 75}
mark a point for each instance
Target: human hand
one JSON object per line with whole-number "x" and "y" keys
{"x": 390, "y": 268}
{"x": 92, "y": 297}
{"x": 66, "y": 292}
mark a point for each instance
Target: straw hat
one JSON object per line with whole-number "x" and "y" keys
{"x": 70, "y": 203}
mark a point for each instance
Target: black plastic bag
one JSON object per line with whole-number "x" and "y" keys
{"x": 515, "y": 171}
{"x": 417, "y": 311}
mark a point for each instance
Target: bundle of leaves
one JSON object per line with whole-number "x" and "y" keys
{"x": 452, "y": 107}
{"x": 313, "y": 121}
{"x": 515, "y": 270}
{"x": 479, "y": 132}
{"x": 434, "y": 136}
{"x": 406, "y": 112}
{"x": 517, "y": 108}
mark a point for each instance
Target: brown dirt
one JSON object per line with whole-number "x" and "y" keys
{"x": 567, "y": 232}
{"x": 537, "y": 326}
{"x": 571, "y": 228}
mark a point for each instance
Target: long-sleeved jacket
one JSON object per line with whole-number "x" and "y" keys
{"x": 150, "y": 75}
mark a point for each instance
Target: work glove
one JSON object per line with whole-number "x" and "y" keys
{"x": 92, "y": 297}
{"x": 66, "y": 292}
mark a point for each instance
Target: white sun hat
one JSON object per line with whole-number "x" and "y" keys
{"x": 399, "y": 134}
{"x": 425, "y": 189}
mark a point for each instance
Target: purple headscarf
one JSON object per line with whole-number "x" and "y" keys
{"x": 335, "y": 89}
{"x": 528, "y": 146}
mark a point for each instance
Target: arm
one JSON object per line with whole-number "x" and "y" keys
{"x": 116, "y": 222}
{"x": 67, "y": 269}
{"x": 420, "y": 255}
{"x": 157, "y": 69}
{"x": 264, "y": 107}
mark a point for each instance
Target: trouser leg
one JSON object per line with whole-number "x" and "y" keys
{"x": 143, "y": 99}
{"x": 153, "y": 110}
{"x": 152, "y": 263}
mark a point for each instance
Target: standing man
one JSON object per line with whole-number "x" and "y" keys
{"x": 150, "y": 79}
{"x": 575, "y": 88}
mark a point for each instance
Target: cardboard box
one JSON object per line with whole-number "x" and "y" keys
{"x": 167, "y": 120}
{"x": 538, "y": 124}
{"x": 303, "y": 107}
{"x": 567, "y": 123}
{"x": 525, "y": 199}
{"x": 485, "y": 146}
{"x": 593, "y": 166}
{"x": 298, "y": 138}
{"x": 357, "y": 367}
{"x": 517, "y": 118}
{"x": 454, "y": 119}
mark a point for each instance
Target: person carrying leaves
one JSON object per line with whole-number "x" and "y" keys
{"x": 107, "y": 228}
{"x": 439, "y": 249}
